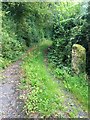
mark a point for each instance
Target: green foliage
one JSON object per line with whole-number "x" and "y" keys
{"x": 78, "y": 85}
{"x": 22, "y": 25}
{"x": 60, "y": 52}
{"x": 20, "y": 28}
{"x": 31, "y": 19}
{"x": 70, "y": 26}
{"x": 63, "y": 37}
{"x": 43, "y": 93}
{"x": 62, "y": 22}
{"x": 12, "y": 48}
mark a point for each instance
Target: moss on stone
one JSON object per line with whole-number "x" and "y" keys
{"x": 78, "y": 58}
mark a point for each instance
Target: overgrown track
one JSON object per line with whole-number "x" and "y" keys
{"x": 11, "y": 106}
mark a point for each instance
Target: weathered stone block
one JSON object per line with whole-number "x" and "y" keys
{"x": 78, "y": 59}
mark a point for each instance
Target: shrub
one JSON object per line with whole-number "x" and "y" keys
{"x": 12, "y": 48}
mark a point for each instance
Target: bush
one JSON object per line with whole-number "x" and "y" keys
{"x": 12, "y": 48}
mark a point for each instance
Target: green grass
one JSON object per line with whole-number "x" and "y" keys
{"x": 77, "y": 84}
{"x": 43, "y": 93}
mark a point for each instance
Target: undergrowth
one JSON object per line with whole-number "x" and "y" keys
{"x": 77, "y": 84}
{"x": 43, "y": 96}
{"x": 11, "y": 46}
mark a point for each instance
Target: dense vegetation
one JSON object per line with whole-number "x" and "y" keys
{"x": 69, "y": 27}
{"x": 24, "y": 25}
{"x": 64, "y": 23}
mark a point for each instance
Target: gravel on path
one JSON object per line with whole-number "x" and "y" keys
{"x": 11, "y": 106}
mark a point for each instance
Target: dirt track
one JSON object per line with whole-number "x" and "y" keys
{"x": 10, "y": 104}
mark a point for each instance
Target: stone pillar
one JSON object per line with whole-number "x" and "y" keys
{"x": 78, "y": 59}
